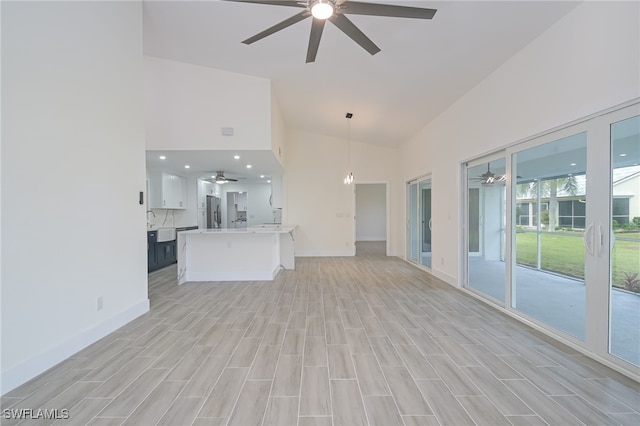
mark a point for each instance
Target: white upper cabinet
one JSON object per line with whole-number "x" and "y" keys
{"x": 241, "y": 201}
{"x": 167, "y": 191}
{"x": 204, "y": 188}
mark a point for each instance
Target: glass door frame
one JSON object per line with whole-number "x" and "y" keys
{"x": 418, "y": 225}
{"x": 511, "y": 287}
{"x": 465, "y": 166}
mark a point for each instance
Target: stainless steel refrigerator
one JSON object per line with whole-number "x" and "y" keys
{"x": 214, "y": 217}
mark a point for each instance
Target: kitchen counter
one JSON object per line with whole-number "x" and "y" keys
{"x": 263, "y": 229}
{"x": 235, "y": 254}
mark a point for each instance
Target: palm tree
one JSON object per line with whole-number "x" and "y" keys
{"x": 549, "y": 188}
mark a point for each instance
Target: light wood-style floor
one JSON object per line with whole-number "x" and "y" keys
{"x": 366, "y": 340}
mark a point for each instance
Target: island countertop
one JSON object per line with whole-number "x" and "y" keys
{"x": 267, "y": 229}
{"x": 235, "y": 254}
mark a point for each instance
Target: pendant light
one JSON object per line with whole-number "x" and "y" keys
{"x": 349, "y": 179}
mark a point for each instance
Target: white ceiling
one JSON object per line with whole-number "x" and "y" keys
{"x": 424, "y": 65}
{"x": 205, "y": 164}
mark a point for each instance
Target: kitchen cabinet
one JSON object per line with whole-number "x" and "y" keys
{"x": 166, "y": 253}
{"x": 167, "y": 191}
{"x": 202, "y": 218}
{"x": 152, "y": 256}
{"x": 204, "y": 188}
{"x": 241, "y": 202}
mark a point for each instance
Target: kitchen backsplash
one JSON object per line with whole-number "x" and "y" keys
{"x": 167, "y": 218}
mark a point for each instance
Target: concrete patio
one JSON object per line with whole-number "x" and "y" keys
{"x": 559, "y": 301}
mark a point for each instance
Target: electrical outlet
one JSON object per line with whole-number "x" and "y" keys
{"x": 99, "y": 303}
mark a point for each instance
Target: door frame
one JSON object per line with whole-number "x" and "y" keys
{"x": 387, "y": 212}
{"x": 419, "y": 230}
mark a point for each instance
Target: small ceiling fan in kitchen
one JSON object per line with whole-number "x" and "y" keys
{"x": 220, "y": 178}
{"x": 335, "y": 11}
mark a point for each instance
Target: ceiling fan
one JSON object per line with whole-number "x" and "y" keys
{"x": 488, "y": 177}
{"x": 335, "y": 11}
{"x": 220, "y": 178}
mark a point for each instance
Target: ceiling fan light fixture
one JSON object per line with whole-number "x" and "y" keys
{"x": 322, "y": 9}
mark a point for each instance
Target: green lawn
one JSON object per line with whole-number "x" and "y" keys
{"x": 563, "y": 252}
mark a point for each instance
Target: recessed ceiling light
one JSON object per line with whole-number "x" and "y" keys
{"x": 572, "y": 164}
{"x": 249, "y": 166}
{"x": 623, "y": 155}
{"x": 236, "y": 157}
{"x": 162, "y": 157}
{"x": 186, "y": 166}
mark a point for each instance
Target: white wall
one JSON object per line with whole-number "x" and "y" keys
{"x": 73, "y": 165}
{"x": 317, "y": 200}
{"x": 371, "y": 212}
{"x": 187, "y": 106}
{"x": 586, "y": 62}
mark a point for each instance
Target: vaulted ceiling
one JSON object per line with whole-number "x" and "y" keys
{"x": 423, "y": 67}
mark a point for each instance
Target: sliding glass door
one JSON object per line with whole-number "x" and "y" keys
{"x": 412, "y": 221}
{"x": 419, "y": 221}
{"x": 485, "y": 224}
{"x": 624, "y": 291}
{"x": 552, "y": 231}
{"x": 548, "y": 279}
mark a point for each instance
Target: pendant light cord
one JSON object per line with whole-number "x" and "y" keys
{"x": 349, "y": 178}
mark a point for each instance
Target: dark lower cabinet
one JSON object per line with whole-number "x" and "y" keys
{"x": 159, "y": 255}
{"x": 166, "y": 253}
{"x": 162, "y": 254}
{"x": 152, "y": 252}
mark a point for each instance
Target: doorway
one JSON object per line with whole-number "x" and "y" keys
{"x": 236, "y": 209}
{"x": 371, "y": 219}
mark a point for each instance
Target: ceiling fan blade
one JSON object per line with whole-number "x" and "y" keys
{"x": 290, "y": 3}
{"x": 375, "y": 9}
{"x": 314, "y": 39}
{"x": 349, "y": 28}
{"x": 277, "y": 27}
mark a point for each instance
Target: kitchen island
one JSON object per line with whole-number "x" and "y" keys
{"x": 247, "y": 254}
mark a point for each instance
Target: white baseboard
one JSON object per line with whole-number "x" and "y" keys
{"x": 449, "y": 279}
{"x": 262, "y": 275}
{"x": 27, "y": 370}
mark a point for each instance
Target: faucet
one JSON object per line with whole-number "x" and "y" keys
{"x": 154, "y": 215}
